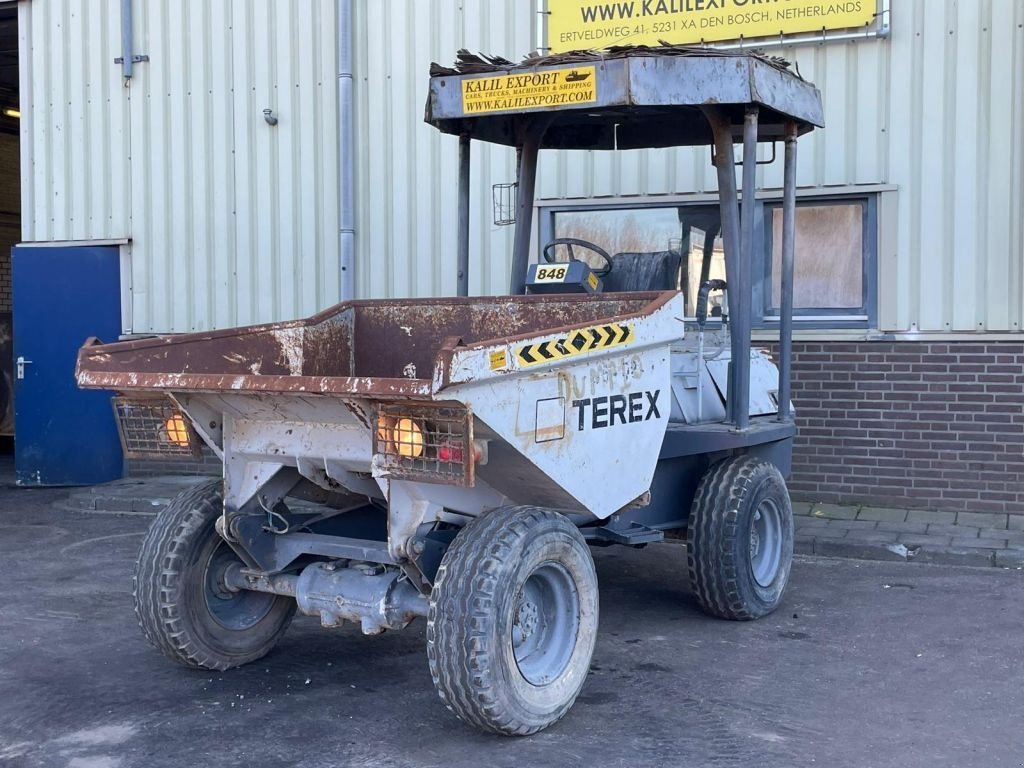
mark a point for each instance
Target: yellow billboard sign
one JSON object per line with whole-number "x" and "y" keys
{"x": 531, "y": 90}
{"x": 576, "y": 24}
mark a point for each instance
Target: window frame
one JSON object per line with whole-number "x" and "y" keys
{"x": 857, "y": 318}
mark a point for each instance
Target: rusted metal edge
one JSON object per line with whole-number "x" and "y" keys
{"x": 384, "y": 389}
{"x": 152, "y": 342}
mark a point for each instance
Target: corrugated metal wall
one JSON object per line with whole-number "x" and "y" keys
{"x": 74, "y": 122}
{"x": 234, "y": 221}
{"x": 231, "y": 220}
{"x": 956, "y": 148}
{"x": 407, "y": 173}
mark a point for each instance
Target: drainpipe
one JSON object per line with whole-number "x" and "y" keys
{"x": 346, "y": 153}
{"x": 127, "y": 44}
{"x": 128, "y": 58}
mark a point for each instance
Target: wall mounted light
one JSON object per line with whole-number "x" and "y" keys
{"x": 12, "y": 112}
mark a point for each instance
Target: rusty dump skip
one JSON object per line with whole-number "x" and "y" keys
{"x": 387, "y": 349}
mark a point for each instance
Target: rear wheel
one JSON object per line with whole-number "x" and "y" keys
{"x": 181, "y": 600}
{"x": 740, "y": 539}
{"x": 513, "y": 620}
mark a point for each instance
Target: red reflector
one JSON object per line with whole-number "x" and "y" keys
{"x": 449, "y": 453}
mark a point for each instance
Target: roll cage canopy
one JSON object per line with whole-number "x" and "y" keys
{"x": 641, "y": 97}
{"x": 636, "y": 97}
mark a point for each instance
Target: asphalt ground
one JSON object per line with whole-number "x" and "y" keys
{"x": 866, "y": 664}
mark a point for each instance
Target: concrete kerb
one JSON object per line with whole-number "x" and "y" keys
{"x": 825, "y": 530}
{"x": 144, "y": 497}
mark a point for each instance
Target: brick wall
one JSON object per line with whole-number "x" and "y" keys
{"x": 913, "y": 424}
{"x": 10, "y": 212}
{"x": 5, "y": 271}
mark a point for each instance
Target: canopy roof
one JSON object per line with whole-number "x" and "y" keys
{"x": 624, "y": 98}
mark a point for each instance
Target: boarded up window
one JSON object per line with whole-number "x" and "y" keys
{"x": 828, "y": 269}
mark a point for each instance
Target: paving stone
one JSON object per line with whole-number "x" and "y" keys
{"x": 802, "y": 508}
{"x": 979, "y": 543}
{"x": 882, "y": 515}
{"x": 981, "y": 519}
{"x": 994, "y": 535}
{"x": 930, "y": 517}
{"x": 918, "y": 540}
{"x": 903, "y": 527}
{"x": 817, "y": 522}
{"x": 874, "y": 537}
{"x": 960, "y": 531}
{"x": 853, "y": 525}
{"x": 834, "y": 512}
{"x": 1010, "y": 558}
{"x": 951, "y": 556}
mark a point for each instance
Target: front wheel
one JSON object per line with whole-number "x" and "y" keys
{"x": 181, "y": 600}
{"x": 740, "y": 539}
{"x": 513, "y": 620}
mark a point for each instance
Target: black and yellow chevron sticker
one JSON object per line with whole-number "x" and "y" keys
{"x": 575, "y": 343}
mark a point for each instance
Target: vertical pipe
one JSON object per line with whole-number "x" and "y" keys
{"x": 788, "y": 254}
{"x": 524, "y": 213}
{"x": 709, "y": 253}
{"x": 743, "y": 292}
{"x": 346, "y": 154}
{"x": 462, "y": 283}
{"x": 725, "y": 161}
{"x": 127, "y": 42}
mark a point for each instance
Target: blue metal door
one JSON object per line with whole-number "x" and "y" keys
{"x": 63, "y": 435}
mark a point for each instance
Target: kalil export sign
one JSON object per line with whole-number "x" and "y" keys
{"x": 576, "y": 24}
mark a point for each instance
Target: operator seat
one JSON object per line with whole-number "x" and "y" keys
{"x": 657, "y": 271}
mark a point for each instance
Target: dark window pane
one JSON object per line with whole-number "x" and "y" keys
{"x": 828, "y": 270}
{"x": 642, "y": 230}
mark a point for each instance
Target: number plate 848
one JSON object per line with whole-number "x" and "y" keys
{"x": 551, "y": 274}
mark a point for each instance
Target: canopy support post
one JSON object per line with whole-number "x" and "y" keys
{"x": 529, "y": 150}
{"x": 788, "y": 257}
{"x": 462, "y": 278}
{"x": 725, "y": 162}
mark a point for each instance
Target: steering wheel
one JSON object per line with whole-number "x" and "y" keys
{"x": 569, "y": 242}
